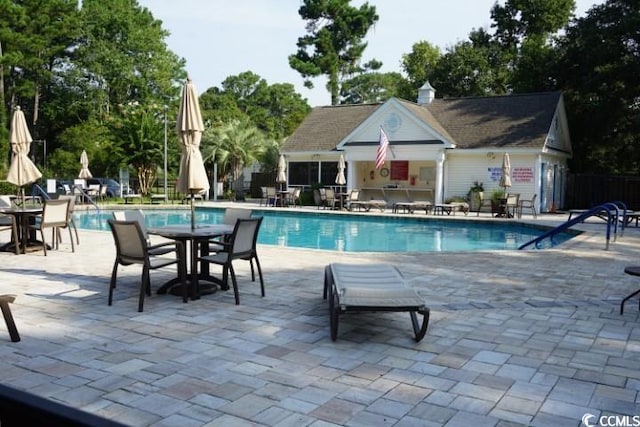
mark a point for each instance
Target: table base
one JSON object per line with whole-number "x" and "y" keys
{"x": 174, "y": 286}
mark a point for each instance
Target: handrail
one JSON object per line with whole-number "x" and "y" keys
{"x": 596, "y": 211}
{"x": 85, "y": 195}
{"x": 622, "y": 205}
{"x": 39, "y": 192}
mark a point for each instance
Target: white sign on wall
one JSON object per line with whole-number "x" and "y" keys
{"x": 51, "y": 186}
{"x": 522, "y": 174}
{"x": 494, "y": 173}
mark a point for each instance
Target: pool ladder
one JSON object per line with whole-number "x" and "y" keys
{"x": 612, "y": 211}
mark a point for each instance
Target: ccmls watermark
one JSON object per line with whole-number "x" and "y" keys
{"x": 590, "y": 420}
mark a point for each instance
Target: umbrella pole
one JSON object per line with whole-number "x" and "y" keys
{"x": 193, "y": 219}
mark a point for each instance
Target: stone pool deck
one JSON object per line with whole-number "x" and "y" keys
{"x": 515, "y": 338}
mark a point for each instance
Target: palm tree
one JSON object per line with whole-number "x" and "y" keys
{"x": 232, "y": 146}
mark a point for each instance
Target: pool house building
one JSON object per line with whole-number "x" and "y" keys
{"x": 438, "y": 148}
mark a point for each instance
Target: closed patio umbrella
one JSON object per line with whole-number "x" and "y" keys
{"x": 505, "y": 178}
{"x": 340, "y": 179}
{"x": 84, "y": 161}
{"x": 22, "y": 171}
{"x": 281, "y": 177}
{"x": 192, "y": 178}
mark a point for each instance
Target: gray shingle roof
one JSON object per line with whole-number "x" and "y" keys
{"x": 325, "y": 127}
{"x": 476, "y": 122}
{"x": 497, "y": 121}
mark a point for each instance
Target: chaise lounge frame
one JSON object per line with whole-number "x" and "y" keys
{"x": 371, "y": 288}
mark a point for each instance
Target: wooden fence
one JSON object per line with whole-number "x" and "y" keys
{"x": 587, "y": 190}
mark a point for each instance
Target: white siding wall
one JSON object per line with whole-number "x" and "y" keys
{"x": 464, "y": 167}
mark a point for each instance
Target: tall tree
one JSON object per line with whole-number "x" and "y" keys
{"x": 233, "y": 146}
{"x": 37, "y": 38}
{"x": 138, "y": 129}
{"x": 275, "y": 109}
{"x": 122, "y": 56}
{"x": 373, "y": 87}
{"x": 599, "y": 73}
{"x": 419, "y": 64}
{"x": 524, "y": 30}
{"x": 127, "y": 75}
{"x": 334, "y": 42}
{"x": 471, "y": 68}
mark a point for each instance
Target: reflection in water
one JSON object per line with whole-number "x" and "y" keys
{"x": 351, "y": 233}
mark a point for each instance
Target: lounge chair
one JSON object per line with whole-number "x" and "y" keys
{"x": 354, "y": 201}
{"x": 377, "y": 204}
{"x": 371, "y": 288}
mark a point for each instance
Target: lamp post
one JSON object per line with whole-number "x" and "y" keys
{"x": 165, "y": 153}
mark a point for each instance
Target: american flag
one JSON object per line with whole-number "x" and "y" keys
{"x": 381, "y": 154}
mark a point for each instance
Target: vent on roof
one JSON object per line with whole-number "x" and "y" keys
{"x": 426, "y": 94}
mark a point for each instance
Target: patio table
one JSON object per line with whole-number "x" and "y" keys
{"x": 199, "y": 245}
{"x": 26, "y": 237}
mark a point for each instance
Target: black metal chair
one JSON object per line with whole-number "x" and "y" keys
{"x": 633, "y": 271}
{"x": 155, "y": 249}
{"x": 132, "y": 248}
{"x": 240, "y": 245}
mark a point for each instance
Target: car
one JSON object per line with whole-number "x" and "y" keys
{"x": 113, "y": 186}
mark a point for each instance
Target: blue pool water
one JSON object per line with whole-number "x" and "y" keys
{"x": 353, "y": 233}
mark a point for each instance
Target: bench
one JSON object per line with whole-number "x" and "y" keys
{"x": 131, "y": 197}
{"x": 158, "y": 198}
{"x": 187, "y": 198}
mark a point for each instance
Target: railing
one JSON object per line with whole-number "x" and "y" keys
{"x": 85, "y": 196}
{"x": 38, "y": 191}
{"x": 611, "y": 210}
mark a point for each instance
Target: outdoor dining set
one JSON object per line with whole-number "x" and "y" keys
{"x": 191, "y": 249}
{"x": 25, "y": 220}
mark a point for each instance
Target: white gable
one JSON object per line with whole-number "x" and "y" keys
{"x": 558, "y": 136}
{"x": 398, "y": 123}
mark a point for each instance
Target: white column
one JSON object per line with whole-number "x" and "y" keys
{"x": 440, "y": 157}
{"x": 538, "y": 182}
{"x": 351, "y": 175}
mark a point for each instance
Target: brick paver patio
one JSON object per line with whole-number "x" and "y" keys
{"x": 516, "y": 338}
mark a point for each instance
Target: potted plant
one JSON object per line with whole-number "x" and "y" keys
{"x": 497, "y": 201}
{"x": 475, "y": 195}
{"x": 230, "y": 194}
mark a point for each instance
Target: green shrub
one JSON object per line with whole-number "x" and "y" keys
{"x": 8, "y": 188}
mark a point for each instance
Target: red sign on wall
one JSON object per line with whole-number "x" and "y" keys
{"x": 399, "y": 170}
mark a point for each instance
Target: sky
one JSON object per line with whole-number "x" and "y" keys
{"x": 222, "y": 38}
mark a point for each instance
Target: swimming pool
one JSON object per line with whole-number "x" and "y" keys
{"x": 353, "y": 233}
